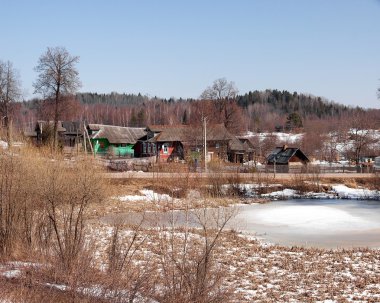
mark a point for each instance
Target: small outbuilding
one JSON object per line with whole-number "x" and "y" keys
{"x": 287, "y": 159}
{"x": 44, "y": 131}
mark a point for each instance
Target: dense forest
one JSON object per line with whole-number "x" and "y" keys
{"x": 282, "y": 102}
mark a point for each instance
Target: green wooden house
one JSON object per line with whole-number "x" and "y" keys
{"x": 114, "y": 141}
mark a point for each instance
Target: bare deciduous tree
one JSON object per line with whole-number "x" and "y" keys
{"x": 224, "y": 94}
{"x": 220, "y": 89}
{"x": 360, "y": 135}
{"x": 9, "y": 93}
{"x": 57, "y": 78}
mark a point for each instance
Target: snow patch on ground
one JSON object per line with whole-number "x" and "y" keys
{"x": 131, "y": 198}
{"x": 284, "y": 137}
{"x": 148, "y": 195}
{"x": 15, "y": 273}
{"x": 285, "y": 193}
{"x": 354, "y": 193}
{"x": 339, "y": 191}
{"x": 3, "y": 144}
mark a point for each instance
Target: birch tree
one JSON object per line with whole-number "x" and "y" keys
{"x": 10, "y": 92}
{"x": 57, "y": 78}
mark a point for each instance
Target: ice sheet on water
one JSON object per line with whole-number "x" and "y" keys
{"x": 311, "y": 217}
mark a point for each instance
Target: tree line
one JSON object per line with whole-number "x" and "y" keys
{"x": 58, "y": 83}
{"x": 256, "y": 111}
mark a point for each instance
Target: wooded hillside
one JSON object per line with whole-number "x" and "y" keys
{"x": 267, "y": 110}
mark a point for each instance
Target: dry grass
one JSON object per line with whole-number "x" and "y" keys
{"x": 280, "y": 274}
{"x": 254, "y": 271}
{"x": 261, "y": 273}
{"x": 352, "y": 183}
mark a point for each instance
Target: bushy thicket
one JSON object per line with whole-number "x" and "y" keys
{"x": 44, "y": 220}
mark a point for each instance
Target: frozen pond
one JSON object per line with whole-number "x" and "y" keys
{"x": 320, "y": 223}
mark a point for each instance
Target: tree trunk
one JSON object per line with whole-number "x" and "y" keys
{"x": 56, "y": 116}
{"x": 8, "y": 127}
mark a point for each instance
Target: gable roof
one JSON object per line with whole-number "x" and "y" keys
{"x": 41, "y": 125}
{"x": 176, "y": 133}
{"x": 236, "y": 145}
{"x": 186, "y": 133}
{"x": 282, "y": 155}
{"x": 72, "y": 127}
{"x": 160, "y": 128}
{"x": 218, "y": 132}
{"x": 117, "y": 134}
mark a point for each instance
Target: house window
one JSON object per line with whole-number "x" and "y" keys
{"x": 144, "y": 148}
{"x": 153, "y": 148}
{"x": 148, "y": 148}
{"x": 165, "y": 148}
{"x": 217, "y": 145}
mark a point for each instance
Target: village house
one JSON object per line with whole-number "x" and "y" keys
{"x": 70, "y": 134}
{"x": 249, "y": 146}
{"x": 169, "y": 143}
{"x": 73, "y": 134}
{"x": 285, "y": 159}
{"x": 44, "y": 131}
{"x": 183, "y": 142}
{"x": 240, "y": 150}
{"x": 114, "y": 141}
{"x": 166, "y": 141}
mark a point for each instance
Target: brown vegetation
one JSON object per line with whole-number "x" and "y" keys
{"x": 45, "y": 207}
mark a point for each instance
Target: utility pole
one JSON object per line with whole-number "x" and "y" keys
{"x": 84, "y": 138}
{"x": 205, "y": 141}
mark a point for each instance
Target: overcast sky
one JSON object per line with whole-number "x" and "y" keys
{"x": 178, "y": 48}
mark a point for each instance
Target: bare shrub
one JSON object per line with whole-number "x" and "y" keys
{"x": 129, "y": 275}
{"x": 350, "y": 182}
{"x": 263, "y": 181}
{"x": 215, "y": 183}
{"x": 188, "y": 269}
{"x": 234, "y": 186}
{"x": 315, "y": 176}
{"x": 18, "y": 203}
{"x": 10, "y": 184}
{"x": 299, "y": 182}
{"x": 66, "y": 194}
